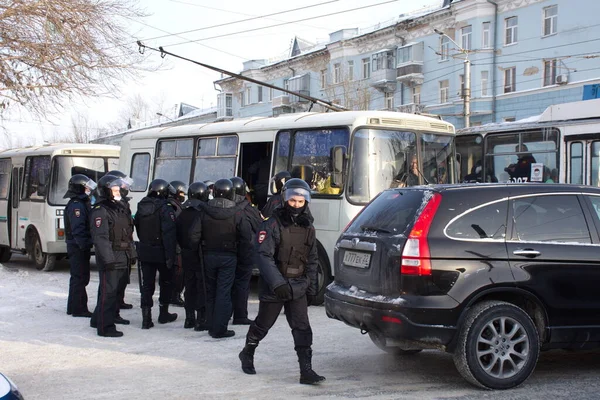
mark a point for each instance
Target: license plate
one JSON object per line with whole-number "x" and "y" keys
{"x": 356, "y": 259}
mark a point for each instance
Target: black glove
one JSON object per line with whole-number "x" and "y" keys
{"x": 310, "y": 299}
{"x": 283, "y": 292}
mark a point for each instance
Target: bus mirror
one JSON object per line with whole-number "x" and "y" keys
{"x": 337, "y": 163}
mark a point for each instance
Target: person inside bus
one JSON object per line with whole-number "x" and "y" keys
{"x": 552, "y": 176}
{"x": 275, "y": 200}
{"x": 522, "y": 168}
{"x": 475, "y": 175}
{"x": 409, "y": 178}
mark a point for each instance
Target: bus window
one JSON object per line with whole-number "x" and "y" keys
{"x": 140, "y": 167}
{"x": 575, "y": 163}
{"x": 36, "y": 178}
{"x": 594, "y": 170}
{"x": 438, "y": 162}
{"x": 4, "y": 178}
{"x": 174, "y": 160}
{"x": 470, "y": 148}
{"x": 113, "y": 164}
{"x": 282, "y": 154}
{"x": 64, "y": 167}
{"x": 215, "y": 158}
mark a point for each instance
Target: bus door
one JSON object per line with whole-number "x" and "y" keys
{"x": 254, "y": 167}
{"x": 5, "y": 172}
{"x": 15, "y": 202}
{"x": 583, "y": 161}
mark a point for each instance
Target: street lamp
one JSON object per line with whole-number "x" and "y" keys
{"x": 467, "y": 89}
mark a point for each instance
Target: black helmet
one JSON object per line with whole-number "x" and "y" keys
{"x": 224, "y": 189}
{"x": 105, "y": 184}
{"x": 239, "y": 186}
{"x": 198, "y": 191}
{"x": 296, "y": 187}
{"x": 77, "y": 185}
{"x": 180, "y": 190}
{"x": 127, "y": 181}
{"x": 279, "y": 180}
{"x": 161, "y": 189}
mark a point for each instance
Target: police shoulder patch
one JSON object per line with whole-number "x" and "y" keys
{"x": 172, "y": 216}
{"x": 262, "y": 235}
{"x": 98, "y": 222}
{"x": 77, "y": 212}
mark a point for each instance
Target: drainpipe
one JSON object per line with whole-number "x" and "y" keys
{"x": 494, "y": 59}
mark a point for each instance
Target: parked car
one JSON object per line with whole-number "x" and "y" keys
{"x": 8, "y": 390}
{"x": 492, "y": 273}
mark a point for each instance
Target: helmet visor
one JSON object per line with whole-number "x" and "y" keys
{"x": 291, "y": 192}
{"x": 127, "y": 182}
{"x": 91, "y": 185}
{"x": 119, "y": 182}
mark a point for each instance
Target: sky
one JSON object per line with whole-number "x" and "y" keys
{"x": 209, "y": 32}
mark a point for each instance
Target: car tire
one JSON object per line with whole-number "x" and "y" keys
{"x": 379, "y": 341}
{"x": 497, "y": 347}
{"x": 323, "y": 277}
{"x": 5, "y": 254}
{"x": 43, "y": 261}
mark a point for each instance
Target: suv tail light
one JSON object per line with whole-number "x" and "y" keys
{"x": 416, "y": 256}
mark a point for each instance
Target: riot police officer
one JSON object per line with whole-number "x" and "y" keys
{"x": 176, "y": 201}
{"x": 191, "y": 254}
{"x": 225, "y": 237}
{"x": 112, "y": 235}
{"x": 287, "y": 259}
{"x": 79, "y": 242}
{"x": 275, "y": 201}
{"x": 243, "y": 273}
{"x": 156, "y": 249}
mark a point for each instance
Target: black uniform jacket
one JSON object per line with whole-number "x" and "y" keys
{"x": 273, "y": 203}
{"x": 267, "y": 245}
{"x": 189, "y": 236}
{"x": 112, "y": 234}
{"x": 157, "y": 242}
{"x": 252, "y": 214}
{"x": 77, "y": 221}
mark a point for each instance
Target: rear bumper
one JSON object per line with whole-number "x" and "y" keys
{"x": 395, "y": 319}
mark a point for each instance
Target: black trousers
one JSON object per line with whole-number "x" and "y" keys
{"x": 220, "y": 274}
{"x": 165, "y": 276}
{"x": 178, "y": 277}
{"x": 241, "y": 290}
{"x": 106, "y": 306}
{"x": 296, "y": 312}
{"x": 79, "y": 261}
{"x": 122, "y": 288}
{"x": 195, "y": 289}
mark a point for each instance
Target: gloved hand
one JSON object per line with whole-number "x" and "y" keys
{"x": 310, "y": 299}
{"x": 283, "y": 292}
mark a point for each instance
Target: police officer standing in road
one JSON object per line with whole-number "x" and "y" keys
{"x": 189, "y": 240}
{"x": 176, "y": 202}
{"x": 287, "y": 259}
{"x": 226, "y": 237}
{"x": 275, "y": 200}
{"x": 112, "y": 235}
{"x": 156, "y": 249}
{"x": 243, "y": 273}
{"x": 79, "y": 242}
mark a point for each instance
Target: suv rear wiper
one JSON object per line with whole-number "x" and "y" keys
{"x": 373, "y": 228}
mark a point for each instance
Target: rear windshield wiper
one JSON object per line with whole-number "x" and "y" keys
{"x": 373, "y": 228}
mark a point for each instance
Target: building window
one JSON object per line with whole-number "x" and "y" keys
{"x": 550, "y": 20}
{"x": 389, "y": 100}
{"x": 248, "y": 94}
{"x": 243, "y": 99}
{"x": 509, "y": 119}
{"x": 350, "y": 70}
{"x": 444, "y": 48}
{"x": 550, "y": 72}
{"x": 260, "y": 94}
{"x": 270, "y": 94}
{"x": 510, "y": 36}
{"x": 465, "y": 35}
{"x": 337, "y": 73}
{"x": 461, "y": 80}
{"x": 485, "y": 75}
{"x": 366, "y": 68}
{"x": 416, "y": 94}
{"x": 383, "y": 60}
{"x": 323, "y": 78}
{"x": 486, "y": 35}
{"x": 444, "y": 86}
{"x": 509, "y": 80}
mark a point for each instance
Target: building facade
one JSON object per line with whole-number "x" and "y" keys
{"x": 524, "y": 55}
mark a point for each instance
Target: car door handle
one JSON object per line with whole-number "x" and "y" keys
{"x": 526, "y": 253}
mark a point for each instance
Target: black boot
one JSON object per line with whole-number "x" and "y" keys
{"x": 201, "y": 324}
{"x": 190, "y": 319}
{"x": 307, "y": 375}
{"x": 247, "y": 358}
{"x": 164, "y": 317}
{"x": 147, "y": 318}
{"x": 176, "y": 300}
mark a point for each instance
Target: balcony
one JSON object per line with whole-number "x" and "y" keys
{"x": 412, "y": 108}
{"x": 384, "y": 79}
{"x": 299, "y": 84}
{"x": 281, "y": 105}
{"x": 224, "y": 106}
{"x": 410, "y": 73}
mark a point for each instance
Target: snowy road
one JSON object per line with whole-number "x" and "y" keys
{"x": 50, "y": 355}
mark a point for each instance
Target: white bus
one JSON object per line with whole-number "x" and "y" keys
{"x": 33, "y": 181}
{"x": 347, "y": 158}
{"x": 562, "y": 145}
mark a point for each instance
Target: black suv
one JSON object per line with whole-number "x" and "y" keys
{"x": 491, "y": 273}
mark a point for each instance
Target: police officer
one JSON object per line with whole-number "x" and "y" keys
{"x": 287, "y": 259}
{"x": 79, "y": 242}
{"x": 243, "y": 273}
{"x": 189, "y": 240}
{"x": 156, "y": 249}
{"x": 226, "y": 236}
{"x": 112, "y": 235}
{"x": 275, "y": 201}
{"x": 176, "y": 201}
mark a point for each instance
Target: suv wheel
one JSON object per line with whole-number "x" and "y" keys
{"x": 498, "y": 346}
{"x": 379, "y": 341}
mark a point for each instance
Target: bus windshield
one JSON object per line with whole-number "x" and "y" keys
{"x": 382, "y": 159}
{"x": 64, "y": 167}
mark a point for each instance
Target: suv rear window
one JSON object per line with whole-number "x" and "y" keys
{"x": 392, "y": 212}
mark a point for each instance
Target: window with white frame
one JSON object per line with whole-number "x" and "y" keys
{"x": 337, "y": 73}
{"x": 461, "y": 88}
{"x": 350, "y": 70}
{"x": 444, "y": 87}
{"x": 510, "y": 28}
{"x": 550, "y": 20}
{"x": 260, "y": 94}
{"x": 444, "y": 48}
{"x": 383, "y": 60}
{"x": 485, "y": 76}
{"x": 323, "y": 78}
{"x": 466, "y": 34}
{"x": 366, "y": 68}
{"x": 248, "y": 94}
{"x": 243, "y": 98}
{"x": 550, "y": 67}
{"x": 389, "y": 100}
{"x": 416, "y": 94}
{"x": 509, "y": 79}
{"x": 270, "y": 94}
{"x": 486, "y": 35}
